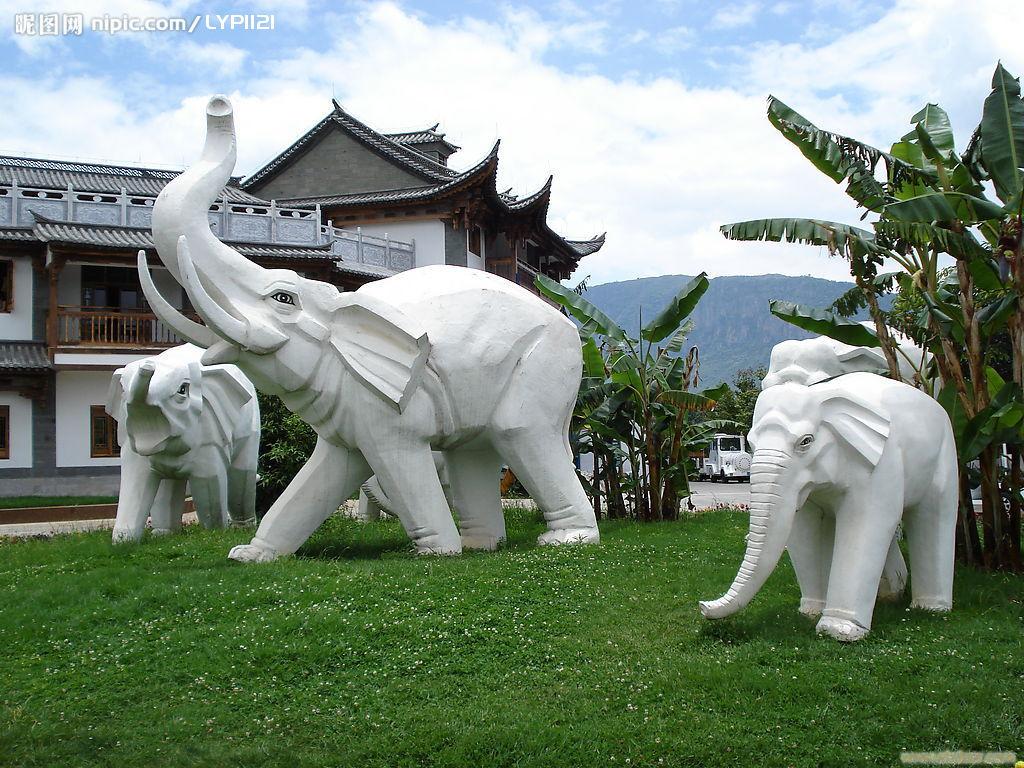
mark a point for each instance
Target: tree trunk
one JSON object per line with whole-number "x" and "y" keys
{"x": 968, "y": 547}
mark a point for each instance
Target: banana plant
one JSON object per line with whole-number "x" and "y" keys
{"x": 635, "y": 399}
{"x": 925, "y": 204}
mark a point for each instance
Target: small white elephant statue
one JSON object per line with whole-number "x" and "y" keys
{"x": 178, "y": 422}
{"x": 836, "y": 467}
{"x": 437, "y": 358}
{"x": 809, "y": 361}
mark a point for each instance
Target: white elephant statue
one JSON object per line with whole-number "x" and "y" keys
{"x": 440, "y": 357}
{"x": 178, "y": 422}
{"x": 809, "y": 361}
{"x": 837, "y": 466}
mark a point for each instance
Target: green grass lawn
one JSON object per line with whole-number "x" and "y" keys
{"x": 359, "y": 653}
{"x": 13, "y": 502}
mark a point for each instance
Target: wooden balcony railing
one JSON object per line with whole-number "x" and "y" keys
{"x": 112, "y": 327}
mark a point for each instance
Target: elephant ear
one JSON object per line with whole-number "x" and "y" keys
{"x": 863, "y": 359}
{"x": 116, "y": 405}
{"x": 225, "y": 391}
{"x": 382, "y": 346}
{"x": 861, "y": 425}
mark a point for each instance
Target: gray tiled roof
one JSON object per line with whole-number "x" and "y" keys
{"x": 23, "y": 356}
{"x": 587, "y": 247}
{"x": 484, "y": 167}
{"x": 408, "y": 158}
{"x": 132, "y": 238}
{"x": 426, "y": 136}
{"x": 94, "y": 177}
{"x": 22, "y": 234}
{"x": 363, "y": 270}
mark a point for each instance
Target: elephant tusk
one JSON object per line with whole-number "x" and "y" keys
{"x": 189, "y": 330}
{"x": 260, "y": 338}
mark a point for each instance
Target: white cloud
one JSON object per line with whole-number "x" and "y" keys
{"x": 222, "y": 58}
{"x": 657, "y": 163}
{"x": 673, "y": 40}
{"x": 732, "y": 16}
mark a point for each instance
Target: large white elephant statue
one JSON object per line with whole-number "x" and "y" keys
{"x": 178, "y": 422}
{"x": 439, "y": 357}
{"x": 836, "y": 467}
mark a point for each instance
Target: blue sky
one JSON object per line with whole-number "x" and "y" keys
{"x": 649, "y": 114}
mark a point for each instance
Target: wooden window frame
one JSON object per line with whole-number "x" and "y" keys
{"x": 110, "y": 449}
{"x": 5, "y": 431}
{"x": 7, "y": 287}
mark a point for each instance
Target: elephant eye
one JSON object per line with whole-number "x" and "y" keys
{"x": 283, "y": 297}
{"x": 805, "y": 441}
{"x": 183, "y": 389}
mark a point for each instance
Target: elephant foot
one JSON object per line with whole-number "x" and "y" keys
{"x": 253, "y": 553}
{"x": 247, "y": 523}
{"x": 160, "y": 532}
{"x": 481, "y": 542}
{"x": 439, "y": 549}
{"x": 933, "y": 604}
{"x": 569, "y": 536}
{"x": 843, "y": 630}
{"x": 811, "y": 608}
{"x": 125, "y": 535}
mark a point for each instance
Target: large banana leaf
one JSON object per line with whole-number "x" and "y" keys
{"x": 900, "y": 236}
{"x": 678, "y": 309}
{"x": 842, "y": 158}
{"x": 824, "y": 323}
{"x": 593, "y": 362}
{"x": 838, "y": 238}
{"x": 592, "y": 318}
{"x": 944, "y": 207}
{"x": 933, "y": 121}
{"x": 1002, "y": 135}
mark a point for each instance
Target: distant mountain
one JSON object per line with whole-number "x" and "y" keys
{"x": 732, "y": 325}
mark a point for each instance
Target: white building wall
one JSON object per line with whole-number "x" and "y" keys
{"x": 17, "y": 325}
{"x": 21, "y": 431}
{"x": 429, "y": 237}
{"x": 76, "y": 392}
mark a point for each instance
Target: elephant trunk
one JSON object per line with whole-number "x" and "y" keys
{"x": 140, "y": 386}
{"x": 202, "y": 264}
{"x": 772, "y": 510}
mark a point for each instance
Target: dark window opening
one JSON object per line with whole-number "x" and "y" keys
{"x": 475, "y": 236}
{"x": 5, "y": 431}
{"x": 6, "y": 286}
{"x": 102, "y": 434}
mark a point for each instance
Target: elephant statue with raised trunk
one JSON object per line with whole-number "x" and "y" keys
{"x": 837, "y": 466}
{"x": 182, "y": 422}
{"x": 437, "y": 358}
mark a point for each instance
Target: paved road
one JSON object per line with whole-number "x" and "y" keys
{"x": 707, "y": 495}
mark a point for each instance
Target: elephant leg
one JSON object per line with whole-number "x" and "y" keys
{"x": 241, "y": 497}
{"x": 139, "y": 485}
{"x": 542, "y": 464}
{"x": 369, "y": 509}
{"x": 210, "y": 496}
{"x": 242, "y": 483}
{"x": 865, "y": 526}
{"x": 810, "y": 551}
{"x": 931, "y": 542}
{"x": 409, "y": 478}
{"x": 318, "y": 489}
{"x": 475, "y": 478}
{"x": 894, "y": 573}
{"x": 168, "y": 506}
